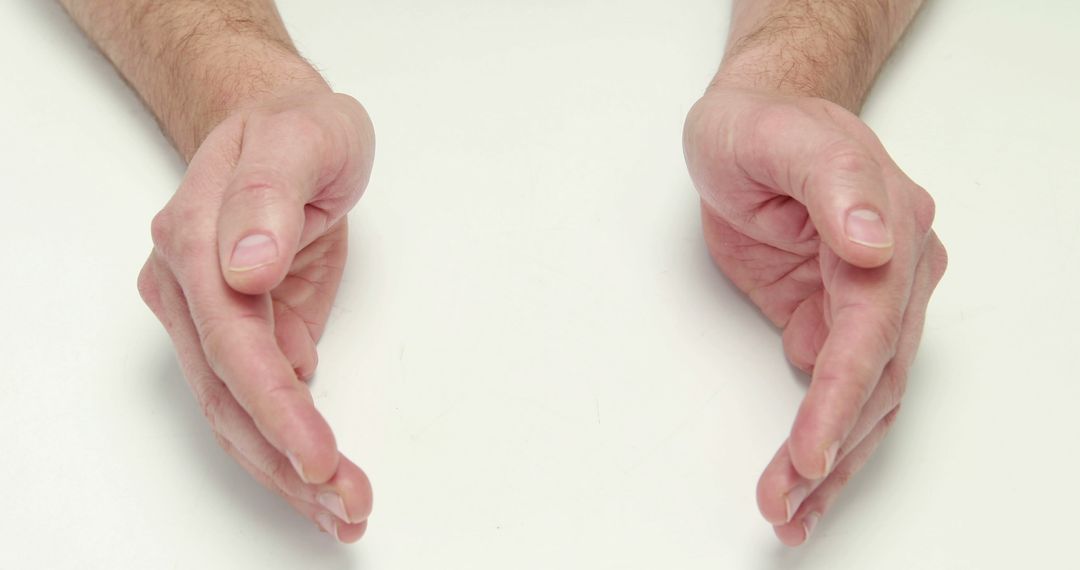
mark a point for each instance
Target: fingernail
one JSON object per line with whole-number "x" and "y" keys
{"x": 296, "y": 465}
{"x": 830, "y": 457}
{"x": 326, "y": 522}
{"x": 865, "y": 227}
{"x": 333, "y": 503}
{"x": 794, "y": 498}
{"x": 809, "y": 523}
{"x": 253, "y": 251}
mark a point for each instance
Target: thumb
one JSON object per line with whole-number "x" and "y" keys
{"x": 844, "y": 193}
{"x": 263, "y": 211}
{"x": 830, "y": 172}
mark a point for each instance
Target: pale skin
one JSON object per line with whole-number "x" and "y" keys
{"x": 276, "y": 160}
{"x": 802, "y": 209}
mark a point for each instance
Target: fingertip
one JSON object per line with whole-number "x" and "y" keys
{"x": 317, "y": 464}
{"x": 869, "y": 239}
{"x": 810, "y": 458}
{"x": 349, "y": 533}
{"x": 780, "y": 491}
{"x": 791, "y": 534}
{"x": 865, "y": 226}
{"x": 798, "y": 349}
{"x": 294, "y": 339}
{"x": 305, "y": 371}
{"x": 254, "y": 264}
{"x": 355, "y": 488}
{"x": 830, "y": 454}
{"x": 341, "y": 531}
{"x": 253, "y": 251}
{"x": 327, "y": 524}
{"x": 808, "y": 524}
{"x": 246, "y": 356}
{"x": 309, "y": 468}
{"x": 348, "y": 494}
{"x": 770, "y": 502}
{"x": 310, "y": 446}
{"x": 797, "y": 532}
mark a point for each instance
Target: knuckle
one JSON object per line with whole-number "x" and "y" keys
{"x": 885, "y": 327}
{"x": 215, "y": 339}
{"x": 860, "y": 373}
{"x": 161, "y": 229}
{"x": 358, "y": 115}
{"x": 149, "y": 290}
{"x": 890, "y": 418}
{"x": 219, "y": 336}
{"x": 843, "y": 476}
{"x": 692, "y": 126}
{"x": 260, "y": 190}
{"x": 182, "y": 237}
{"x": 842, "y": 164}
{"x": 845, "y": 157}
{"x": 939, "y": 260}
{"x": 895, "y": 385}
{"x": 256, "y": 191}
{"x": 797, "y": 352}
{"x": 186, "y": 247}
{"x": 305, "y": 368}
{"x": 925, "y": 210}
{"x": 890, "y": 324}
{"x": 705, "y": 142}
{"x": 697, "y": 122}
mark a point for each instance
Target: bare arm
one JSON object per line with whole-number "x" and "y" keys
{"x": 193, "y": 62}
{"x": 831, "y": 49}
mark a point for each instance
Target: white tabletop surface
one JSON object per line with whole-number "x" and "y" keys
{"x": 532, "y": 355}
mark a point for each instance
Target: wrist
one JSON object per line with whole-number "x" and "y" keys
{"x": 781, "y": 71}
{"x": 224, "y": 78}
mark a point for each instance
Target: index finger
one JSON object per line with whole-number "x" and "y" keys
{"x": 237, "y": 336}
{"x": 866, "y": 309}
{"x": 236, "y": 332}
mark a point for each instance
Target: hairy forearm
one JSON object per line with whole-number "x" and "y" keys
{"x": 195, "y": 61}
{"x": 831, "y": 49}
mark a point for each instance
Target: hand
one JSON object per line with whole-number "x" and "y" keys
{"x": 247, "y": 258}
{"x": 806, "y": 213}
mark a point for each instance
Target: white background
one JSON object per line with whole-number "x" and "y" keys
{"x": 532, "y": 355}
